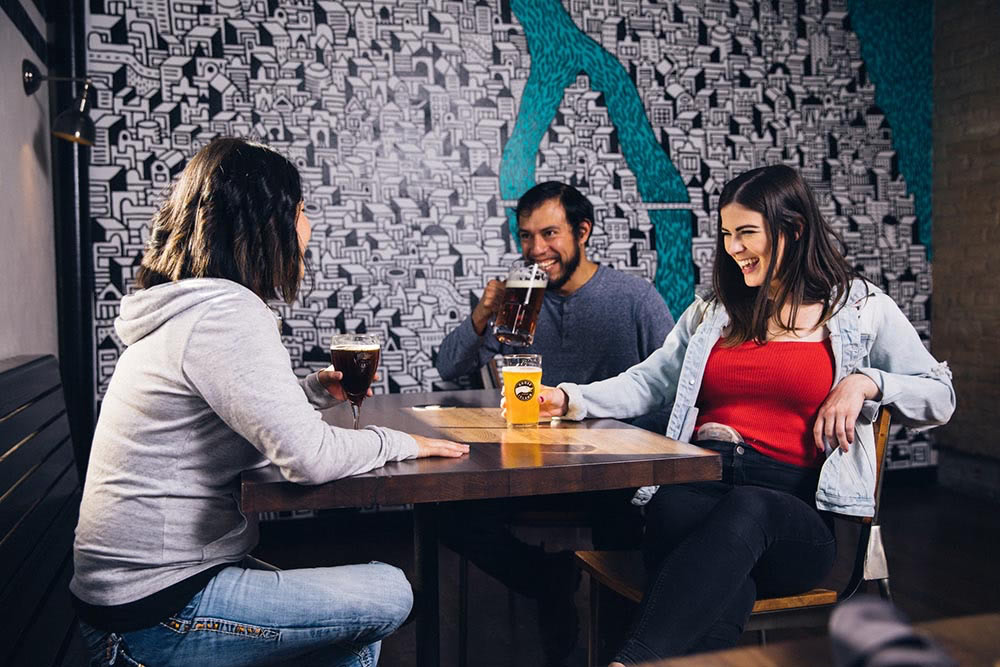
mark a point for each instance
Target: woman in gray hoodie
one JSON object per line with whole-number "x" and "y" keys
{"x": 203, "y": 392}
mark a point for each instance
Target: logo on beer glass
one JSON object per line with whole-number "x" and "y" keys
{"x": 522, "y": 300}
{"x": 522, "y": 375}
{"x": 524, "y": 390}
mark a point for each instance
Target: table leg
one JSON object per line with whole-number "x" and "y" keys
{"x": 425, "y": 584}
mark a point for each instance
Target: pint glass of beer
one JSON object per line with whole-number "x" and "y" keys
{"x": 522, "y": 299}
{"x": 356, "y": 356}
{"x": 522, "y": 376}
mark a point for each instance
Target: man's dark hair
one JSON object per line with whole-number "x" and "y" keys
{"x": 231, "y": 215}
{"x": 576, "y": 206}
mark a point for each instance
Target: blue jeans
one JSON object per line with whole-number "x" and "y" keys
{"x": 712, "y": 548}
{"x": 332, "y": 616}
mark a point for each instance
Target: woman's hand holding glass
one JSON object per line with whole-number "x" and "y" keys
{"x": 552, "y": 403}
{"x": 838, "y": 413}
{"x": 330, "y": 378}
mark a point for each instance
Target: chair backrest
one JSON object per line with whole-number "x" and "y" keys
{"x": 881, "y": 427}
{"x": 881, "y": 446}
{"x": 870, "y": 563}
{"x": 39, "y": 503}
{"x": 491, "y": 375}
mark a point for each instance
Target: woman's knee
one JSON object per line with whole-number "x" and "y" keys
{"x": 392, "y": 596}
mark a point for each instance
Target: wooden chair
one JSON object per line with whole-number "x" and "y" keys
{"x": 623, "y": 572}
{"x": 490, "y": 375}
{"x": 39, "y": 503}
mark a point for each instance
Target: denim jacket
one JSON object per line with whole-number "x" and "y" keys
{"x": 869, "y": 335}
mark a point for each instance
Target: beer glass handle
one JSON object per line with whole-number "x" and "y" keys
{"x": 357, "y": 416}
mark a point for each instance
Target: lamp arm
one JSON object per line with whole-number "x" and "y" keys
{"x": 67, "y": 78}
{"x": 32, "y": 77}
{"x": 73, "y": 124}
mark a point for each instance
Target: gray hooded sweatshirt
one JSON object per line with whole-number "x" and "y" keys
{"x": 204, "y": 391}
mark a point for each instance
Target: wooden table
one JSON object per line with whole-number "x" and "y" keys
{"x": 974, "y": 641}
{"x": 557, "y": 457}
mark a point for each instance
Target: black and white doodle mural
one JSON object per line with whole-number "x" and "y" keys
{"x": 416, "y": 124}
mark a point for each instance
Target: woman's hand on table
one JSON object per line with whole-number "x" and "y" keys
{"x": 330, "y": 378}
{"x": 552, "y": 402}
{"x": 838, "y": 413}
{"x": 434, "y": 447}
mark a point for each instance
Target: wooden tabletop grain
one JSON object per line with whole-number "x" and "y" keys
{"x": 974, "y": 641}
{"x": 554, "y": 457}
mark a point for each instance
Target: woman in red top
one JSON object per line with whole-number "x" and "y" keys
{"x": 756, "y": 366}
{"x": 763, "y": 387}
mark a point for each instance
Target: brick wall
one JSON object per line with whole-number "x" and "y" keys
{"x": 966, "y": 192}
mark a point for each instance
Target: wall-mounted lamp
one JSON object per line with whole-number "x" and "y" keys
{"x": 73, "y": 124}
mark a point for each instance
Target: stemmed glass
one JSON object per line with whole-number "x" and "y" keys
{"x": 356, "y": 356}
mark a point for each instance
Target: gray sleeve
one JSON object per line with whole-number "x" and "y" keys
{"x": 654, "y": 321}
{"x": 463, "y": 351}
{"x": 264, "y": 402}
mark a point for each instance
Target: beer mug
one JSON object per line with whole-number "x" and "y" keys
{"x": 522, "y": 301}
{"x": 356, "y": 356}
{"x": 522, "y": 376}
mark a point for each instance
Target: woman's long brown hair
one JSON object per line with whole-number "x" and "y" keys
{"x": 232, "y": 215}
{"x": 812, "y": 268}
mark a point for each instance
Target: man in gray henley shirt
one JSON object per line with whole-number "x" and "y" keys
{"x": 595, "y": 323}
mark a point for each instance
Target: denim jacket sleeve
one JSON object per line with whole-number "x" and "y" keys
{"x": 646, "y": 386}
{"x": 913, "y": 382}
{"x": 876, "y": 339}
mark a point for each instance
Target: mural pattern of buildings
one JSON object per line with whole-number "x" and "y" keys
{"x": 397, "y": 112}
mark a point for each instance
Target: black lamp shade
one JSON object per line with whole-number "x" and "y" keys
{"x": 75, "y": 124}
{"x": 72, "y": 125}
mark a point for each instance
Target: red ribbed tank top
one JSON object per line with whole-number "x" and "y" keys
{"x": 770, "y": 394}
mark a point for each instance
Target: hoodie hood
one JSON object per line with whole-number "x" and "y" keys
{"x": 146, "y": 310}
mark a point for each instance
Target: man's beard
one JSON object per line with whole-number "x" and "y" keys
{"x": 568, "y": 270}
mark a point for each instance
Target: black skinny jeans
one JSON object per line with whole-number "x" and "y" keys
{"x": 712, "y": 548}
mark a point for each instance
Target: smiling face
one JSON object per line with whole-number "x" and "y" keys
{"x": 547, "y": 239}
{"x": 745, "y": 236}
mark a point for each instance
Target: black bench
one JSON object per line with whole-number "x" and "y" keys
{"x": 39, "y": 503}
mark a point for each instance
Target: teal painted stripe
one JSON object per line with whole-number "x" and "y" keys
{"x": 897, "y": 41}
{"x": 559, "y": 52}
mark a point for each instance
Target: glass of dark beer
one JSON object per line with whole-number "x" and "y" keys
{"x": 522, "y": 301}
{"x": 356, "y": 356}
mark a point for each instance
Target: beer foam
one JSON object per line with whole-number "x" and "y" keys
{"x": 356, "y": 347}
{"x": 522, "y": 369}
{"x": 520, "y": 282}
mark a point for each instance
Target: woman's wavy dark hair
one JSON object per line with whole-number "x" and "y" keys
{"x": 812, "y": 269}
{"x": 231, "y": 215}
